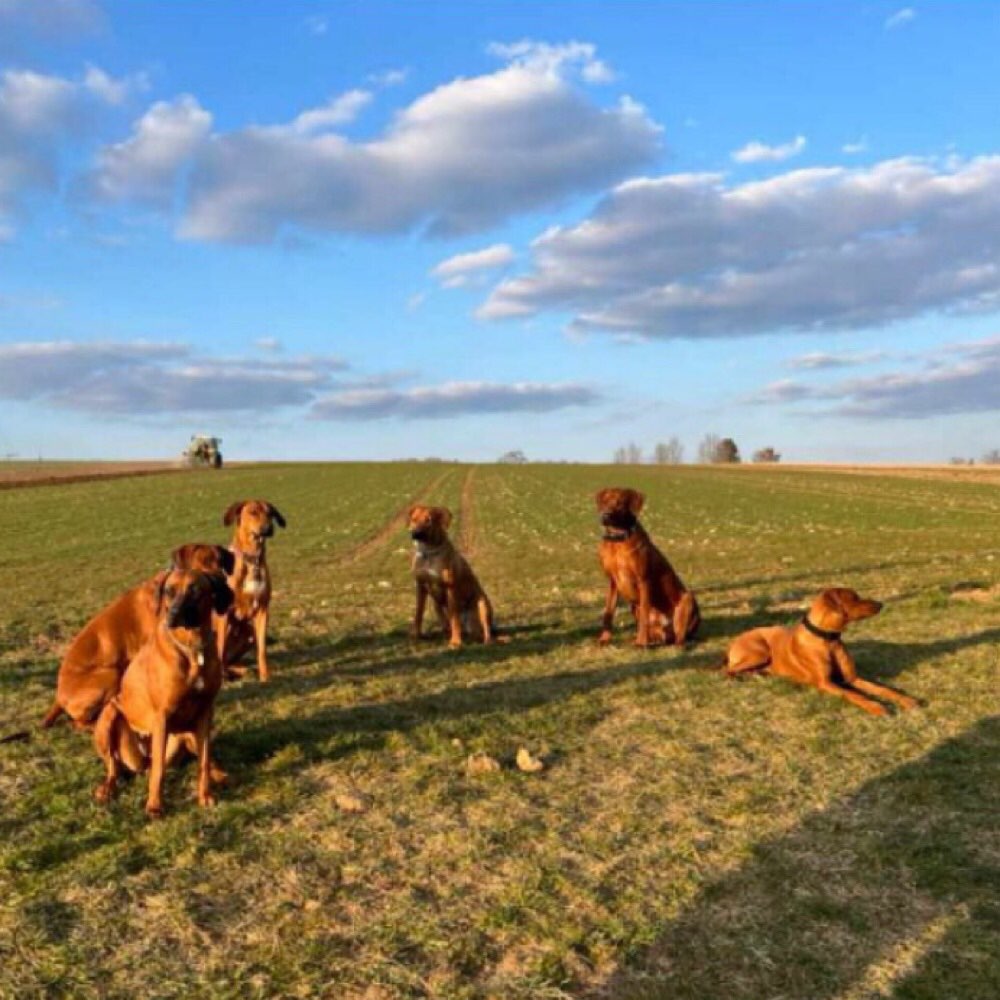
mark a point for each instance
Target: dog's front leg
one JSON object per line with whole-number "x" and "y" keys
{"x": 454, "y": 617}
{"x": 203, "y": 743}
{"x": 642, "y": 613}
{"x": 260, "y": 640}
{"x": 485, "y": 617}
{"x": 417, "y": 629}
{"x": 849, "y": 672}
{"x": 608, "y": 618}
{"x": 104, "y": 741}
{"x": 158, "y": 756}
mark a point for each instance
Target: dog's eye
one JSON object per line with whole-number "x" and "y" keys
{"x": 170, "y": 592}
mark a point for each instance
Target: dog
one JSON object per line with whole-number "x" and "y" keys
{"x": 441, "y": 573}
{"x": 664, "y": 609}
{"x": 167, "y": 695}
{"x": 245, "y": 624}
{"x": 91, "y": 670}
{"x": 812, "y": 652}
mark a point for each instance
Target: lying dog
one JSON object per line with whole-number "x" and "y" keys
{"x": 245, "y": 624}
{"x": 812, "y": 652}
{"x": 168, "y": 691}
{"x": 92, "y": 668}
{"x": 664, "y": 609}
{"x": 442, "y": 574}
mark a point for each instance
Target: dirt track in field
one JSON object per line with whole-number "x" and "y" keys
{"x": 467, "y": 534}
{"x": 394, "y": 523}
{"x": 21, "y": 475}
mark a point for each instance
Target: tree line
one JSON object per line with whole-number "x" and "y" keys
{"x": 712, "y": 450}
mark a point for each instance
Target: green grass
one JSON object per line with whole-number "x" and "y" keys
{"x": 690, "y": 838}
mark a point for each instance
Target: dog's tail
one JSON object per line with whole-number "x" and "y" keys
{"x": 21, "y": 736}
{"x": 52, "y": 715}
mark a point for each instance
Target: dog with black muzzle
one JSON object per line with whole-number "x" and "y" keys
{"x": 167, "y": 697}
{"x": 812, "y": 652}
{"x": 442, "y": 574}
{"x": 664, "y": 609}
{"x": 245, "y": 624}
{"x": 92, "y": 669}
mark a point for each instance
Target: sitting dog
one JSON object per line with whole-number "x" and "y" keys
{"x": 664, "y": 609}
{"x": 812, "y": 652}
{"x": 168, "y": 690}
{"x": 441, "y": 573}
{"x": 92, "y": 668}
{"x": 245, "y": 624}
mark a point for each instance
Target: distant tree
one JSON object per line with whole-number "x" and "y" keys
{"x": 958, "y": 460}
{"x": 766, "y": 455}
{"x": 668, "y": 452}
{"x": 621, "y": 456}
{"x": 727, "y": 453}
{"x": 514, "y": 457}
{"x": 992, "y": 457}
{"x": 707, "y": 448}
{"x": 629, "y": 454}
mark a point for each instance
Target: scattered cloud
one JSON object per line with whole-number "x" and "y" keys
{"x": 144, "y": 168}
{"x": 782, "y": 391}
{"x": 853, "y": 148}
{"x": 39, "y": 115}
{"x": 821, "y": 360}
{"x": 455, "y": 271}
{"x": 759, "y": 152}
{"x": 555, "y": 60}
{"x": 388, "y": 77}
{"x": 451, "y": 162}
{"x": 688, "y": 256}
{"x": 140, "y": 377}
{"x": 415, "y": 301}
{"x": 901, "y": 17}
{"x": 453, "y": 399}
{"x": 340, "y": 110}
{"x": 269, "y": 344}
{"x": 316, "y": 24}
{"x": 53, "y": 19}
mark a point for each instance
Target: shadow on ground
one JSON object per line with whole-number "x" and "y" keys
{"x": 892, "y": 892}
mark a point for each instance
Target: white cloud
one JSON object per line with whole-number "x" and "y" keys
{"x": 144, "y": 167}
{"x": 555, "y": 60}
{"x": 53, "y": 19}
{"x": 39, "y": 115}
{"x": 140, "y": 377}
{"x": 901, "y": 17}
{"x": 317, "y": 25}
{"x": 453, "y": 399}
{"x": 340, "y": 110}
{"x": 268, "y": 344}
{"x": 388, "y": 77}
{"x": 455, "y": 271}
{"x": 758, "y": 152}
{"x": 853, "y": 148}
{"x": 113, "y": 90}
{"x": 826, "y": 248}
{"x": 415, "y": 301}
{"x": 819, "y": 360}
{"x": 451, "y": 162}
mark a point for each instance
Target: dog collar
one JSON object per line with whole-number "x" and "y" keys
{"x": 619, "y": 534}
{"x": 821, "y": 633}
{"x": 253, "y": 558}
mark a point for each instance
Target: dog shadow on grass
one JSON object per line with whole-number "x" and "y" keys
{"x": 892, "y": 891}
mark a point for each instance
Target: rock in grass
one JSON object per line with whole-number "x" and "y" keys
{"x": 481, "y": 763}
{"x": 527, "y": 761}
{"x": 352, "y": 801}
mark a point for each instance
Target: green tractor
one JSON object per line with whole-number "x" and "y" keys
{"x": 203, "y": 453}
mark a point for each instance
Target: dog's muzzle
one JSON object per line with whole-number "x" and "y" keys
{"x": 183, "y": 616}
{"x": 420, "y": 535}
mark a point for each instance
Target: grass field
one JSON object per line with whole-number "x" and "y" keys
{"x": 689, "y": 838}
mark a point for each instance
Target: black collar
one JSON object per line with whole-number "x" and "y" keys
{"x": 820, "y": 632}
{"x": 619, "y": 534}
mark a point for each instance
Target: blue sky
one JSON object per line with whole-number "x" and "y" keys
{"x": 368, "y": 230}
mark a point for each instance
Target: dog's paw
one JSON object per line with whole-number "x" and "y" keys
{"x": 604, "y": 639}
{"x": 207, "y": 801}
{"x": 154, "y": 812}
{"x": 104, "y": 792}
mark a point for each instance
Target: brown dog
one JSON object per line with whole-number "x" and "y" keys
{"x": 92, "y": 668}
{"x": 664, "y": 609}
{"x": 441, "y": 573}
{"x": 168, "y": 691}
{"x": 245, "y": 624}
{"x": 812, "y": 652}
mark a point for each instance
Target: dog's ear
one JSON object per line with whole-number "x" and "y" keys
{"x": 277, "y": 515}
{"x": 443, "y": 516}
{"x": 182, "y": 557}
{"x": 159, "y": 582}
{"x": 222, "y": 594}
{"x": 232, "y": 512}
{"x": 635, "y": 500}
{"x": 600, "y": 497}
